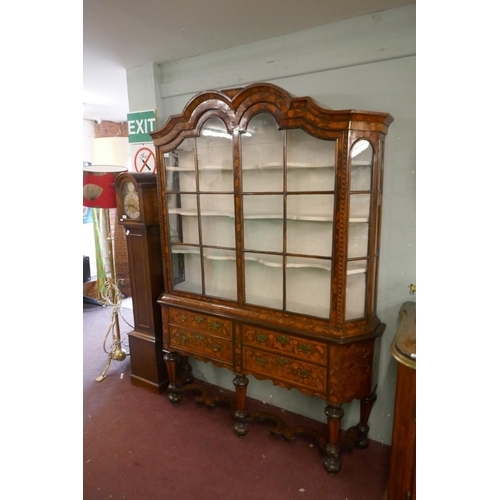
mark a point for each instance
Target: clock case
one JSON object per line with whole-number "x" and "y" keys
{"x": 146, "y": 281}
{"x": 145, "y": 186}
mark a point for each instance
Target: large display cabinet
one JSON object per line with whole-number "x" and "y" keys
{"x": 270, "y": 218}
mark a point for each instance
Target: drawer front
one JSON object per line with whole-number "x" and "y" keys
{"x": 204, "y": 345}
{"x": 285, "y": 369}
{"x": 287, "y": 344}
{"x": 203, "y": 323}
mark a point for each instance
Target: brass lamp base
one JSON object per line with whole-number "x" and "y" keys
{"x": 117, "y": 355}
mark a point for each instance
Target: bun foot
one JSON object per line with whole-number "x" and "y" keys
{"x": 332, "y": 465}
{"x": 241, "y": 429}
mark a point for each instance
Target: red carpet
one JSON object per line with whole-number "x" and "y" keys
{"x": 138, "y": 446}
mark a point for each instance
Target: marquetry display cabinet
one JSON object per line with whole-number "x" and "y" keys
{"x": 270, "y": 218}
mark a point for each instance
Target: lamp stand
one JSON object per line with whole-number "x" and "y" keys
{"x": 113, "y": 298}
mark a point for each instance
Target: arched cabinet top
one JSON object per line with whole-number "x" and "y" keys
{"x": 237, "y": 106}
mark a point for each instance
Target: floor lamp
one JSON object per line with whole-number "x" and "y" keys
{"x": 99, "y": 192}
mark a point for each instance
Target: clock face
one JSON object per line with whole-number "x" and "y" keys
{"x": 131, "y": 201}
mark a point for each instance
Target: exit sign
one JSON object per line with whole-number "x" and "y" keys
{"x": 140, "y": 125}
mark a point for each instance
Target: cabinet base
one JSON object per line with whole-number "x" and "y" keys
{"x": 208, "y": 395}
{"x": 146, "y": 363}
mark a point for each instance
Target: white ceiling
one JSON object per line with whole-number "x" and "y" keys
{"x": 123, "y": 34}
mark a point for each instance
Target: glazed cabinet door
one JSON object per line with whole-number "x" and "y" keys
{"x": 359, "y": 249}
{"x": 272, "y": 209}
{"x": 200, "y": 202}
{"x": 288, "y": 189}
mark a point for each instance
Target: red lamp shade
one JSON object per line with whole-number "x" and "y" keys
{"x": 98, "y": 190}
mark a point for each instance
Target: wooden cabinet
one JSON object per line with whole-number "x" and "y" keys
{"x": 137, "y": 208}
{"x": 402, "y": 470}
{"x": 270, "y": 216}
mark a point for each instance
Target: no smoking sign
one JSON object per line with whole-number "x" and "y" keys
{"x": 145, "y": 160}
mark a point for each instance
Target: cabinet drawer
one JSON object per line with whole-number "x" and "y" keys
{"x": 286, "y": 344}
{"x": 216, "y": 327}
{"x": 285, "y": 369}
{"x": 204, "y": 345}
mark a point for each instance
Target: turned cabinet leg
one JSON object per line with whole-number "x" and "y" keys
{"x": 186, "y": 370}
{"x": 170, "y": 359}
{"x": 334, "y": 415}
{"x": 240, "y": 427}
{"x": 365, "y": 406}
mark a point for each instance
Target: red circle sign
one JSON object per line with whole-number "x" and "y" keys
{"x": 145, "y": 161}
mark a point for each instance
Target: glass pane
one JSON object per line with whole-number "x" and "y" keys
{"x": 374, "y": 291}
{"x": 192, "y": 268}
{"x": 262, "y": 155}
{"x": 263, "y": 222}
{"x": 263, "y": 207}
{"x": 180, "y": 168}
{"x": 215, "y": 157}
{"x": 178, "y": 274}
{"x": 217, "y": 221}
{"x": 359, "y": 208}
{"x": 358, "y": 240}
{"x": 182, "y": 218}
{"x": 263, "y": 235}
{"x": 218, "y": 231}
{"x": 309, "y": 238}
{"x": 376, "y": 245}
{"x": 264, "y": 280}
{"x": 220, "y": 273}
{"x": 355, "y": 290}
{"x": 361, "y": 166}
{"x": 217, "y": 204}
{"x": 263, "y": 180}
{"x": 308, "y": 286}
{"x": 311, "y": 207}
{"x": 310, "y": 162}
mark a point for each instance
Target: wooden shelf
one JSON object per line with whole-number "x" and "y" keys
{"x": 268, "y": 260}
{"x": 269, "y": 166}
{"x": 191, "y": 212}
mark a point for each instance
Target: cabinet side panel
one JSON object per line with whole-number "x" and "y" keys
{"x": 350, "y": 372}
{"x": 146, "y": 278}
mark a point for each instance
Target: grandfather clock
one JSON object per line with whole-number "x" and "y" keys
{"x": 137, "y": 209}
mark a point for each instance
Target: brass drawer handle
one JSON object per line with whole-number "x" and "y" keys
{"x": 261, "y": 338}
{"x": 182, "y": 317}
{"x": 303, "y": 373}
{"x": 214, "y": 326}
{"x": 183, "y": 338}
{"x": 282, "y": 339}
{"x": 282, "y": 361}
{"x": 304, "y": 348}
{"x": 261, "y": 361}
{"x": 216, "y": 347}
{"x": 199, "y": 319}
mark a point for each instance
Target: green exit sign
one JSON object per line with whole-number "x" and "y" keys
{"x": 140, "y": 125}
